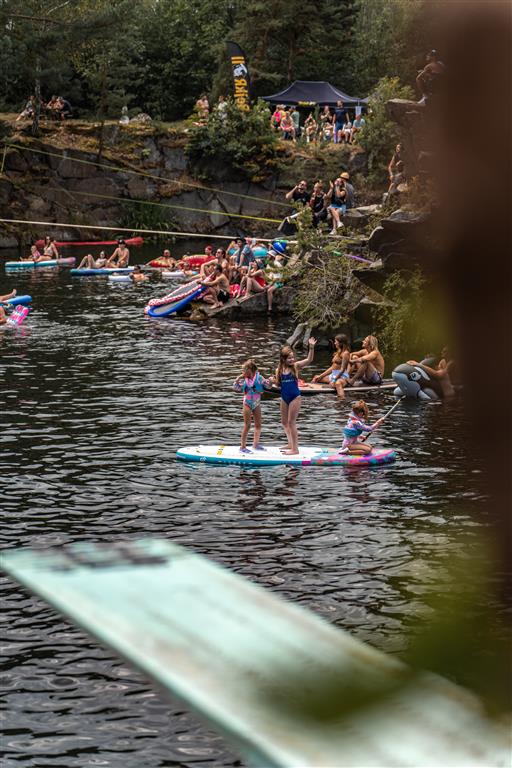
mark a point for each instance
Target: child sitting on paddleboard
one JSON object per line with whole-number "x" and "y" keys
{"x": 252, "y": 384}
{"x": 354, "y": 428}
{"x": 287, "y": 378}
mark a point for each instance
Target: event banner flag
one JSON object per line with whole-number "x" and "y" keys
{"x": 241, "y": 78}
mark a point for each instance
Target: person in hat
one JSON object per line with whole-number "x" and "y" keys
{"x": 349, "y": 190}
{"x": 121, "y": 256}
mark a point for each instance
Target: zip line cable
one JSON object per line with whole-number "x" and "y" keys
{"x": 146, "y": 174}
{"x": 131, "y": 230}
{"x": 161, "y": 205}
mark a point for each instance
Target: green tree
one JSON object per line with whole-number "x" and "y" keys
{"x": 380, "y": 134}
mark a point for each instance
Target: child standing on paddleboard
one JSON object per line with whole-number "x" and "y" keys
{"x": 354, "y": 428}
{"x": 287, "y": 378}
{"x": 252, "y": 384}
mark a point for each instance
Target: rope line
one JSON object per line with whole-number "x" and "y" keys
{"x": 131, "y": 230}
{"x": 162, "y": 205}
{"x": 146, "y": 174}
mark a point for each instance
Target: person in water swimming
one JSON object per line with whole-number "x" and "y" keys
{"x": 337, "y": 373}
{"x": 138, "y": 276}
{"x": 287, "y": 378}
{"x": 252, "y": 384}
{"x": 354, "y": 428}
{"x": 367, "y": 365}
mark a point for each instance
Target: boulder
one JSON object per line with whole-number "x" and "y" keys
{"x": 217, "y": 219}
{"x": 100, "y": 185}
{"x": 8, "y": 241}
{"x": 6, "y": 189}
{"x": 174, "y": 159}
{"x": 15, "y": 161}
{"x": 355, "y": 219}
{"x": 139, "y": 187}
{"x": 70, "y": 169}
{"x": 376, "y": 239}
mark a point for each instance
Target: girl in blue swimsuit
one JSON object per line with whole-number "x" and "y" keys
{"x": 287, "y": 377}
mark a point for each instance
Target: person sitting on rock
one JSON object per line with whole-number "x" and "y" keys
{"x": 367, "y": 365}
{"x": 318, "y": 203}
{"x": 310, "y": 128}
{"x": 299, "y": 193}
{"x": 337, "y": 203}
{"x": 357, "y": 126}
{"x": 287, "y": 127}
{"x": 429, "y": 77}
{"x": 350, "y": 194}
{"x": 254, "y": 281}
{"x": 64, "y": 108}
{"x": 28, "y": 110}
{"x": 346, "y": 131}
{"x": 397, "y": 178}
{"x": 273, "y": 276}
{"x": 397, "y": 156}
{"x": 217, "y": 285}
{"x": 275, "y": 120}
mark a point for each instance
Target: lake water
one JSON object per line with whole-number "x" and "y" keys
{"x": 95, "y": 399}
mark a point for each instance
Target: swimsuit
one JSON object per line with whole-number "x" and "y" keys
{"x": 223, "y": 296}
{"x": 336, "y": 375}
{"x": 375, "y": 378}
{"x": 289, "y": 388}
{"x": 354, "y": 429}
{"x": 252, "y": 389}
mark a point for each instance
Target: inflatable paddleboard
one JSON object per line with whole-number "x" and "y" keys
{"x": 103, "y": 271}
{"x": 272, "y": 456}
{"x": 65, "y": 243}
{"x": 176, "y": 275}
{"x": 16, "y": 300}
{"x": 46, "y": 263}
{"x": 307, "y": 389}
{"x": 174, "y": 301}
{"x": 17, "y": 316}
{"x": 120, "y": 278}
{"x": 260, "y": 252}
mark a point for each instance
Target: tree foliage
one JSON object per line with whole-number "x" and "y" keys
{"x": 380, "y": 134}
{"x": 236, "y": 141}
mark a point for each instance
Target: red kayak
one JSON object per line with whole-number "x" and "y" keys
{"x": 64, "y": 243}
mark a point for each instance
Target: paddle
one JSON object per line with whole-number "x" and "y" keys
{"x": 388, "y": 413}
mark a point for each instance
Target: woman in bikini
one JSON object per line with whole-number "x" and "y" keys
{"x": 287, "y": 378}
{"x": 50, "y": 249}
{"x": 337, "y": 373}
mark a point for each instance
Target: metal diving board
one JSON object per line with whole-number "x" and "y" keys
{"x": 285, "y": 687}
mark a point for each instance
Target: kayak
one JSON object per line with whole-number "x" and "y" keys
{"x": 64, "y": 243}
{"x": 308, "y": 389}
{"x": 46, "y": 263}
{"x": 18, "y": 300}
{"x": 174, "y": 301}
{"x": 103, "y": 271}
{"x": 272, "y": 456}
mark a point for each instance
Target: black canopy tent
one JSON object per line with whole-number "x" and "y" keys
{"x": 308, "y": 93}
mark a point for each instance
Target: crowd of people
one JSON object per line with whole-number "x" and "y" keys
{"x": 57, "y": 108}
{"x": 338, "y": 126}
{"x": 328, "y": 203}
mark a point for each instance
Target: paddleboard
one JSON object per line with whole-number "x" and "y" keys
{"x": 120, "y": 278}
{"x": 307, "y": 457}
{"x": 16, "y": 300}
{"x": 46, "y": 263}
{"x": 65, "y": 243}
{"x": 307, "y": 388}
{"x": 176, "y": 275}
{"x": 174, "y": 301}
{"x": 103, "y": 271}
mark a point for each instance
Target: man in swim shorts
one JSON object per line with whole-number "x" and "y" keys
{"x": 367, "y": 365}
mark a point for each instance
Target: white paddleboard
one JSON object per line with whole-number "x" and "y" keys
{"x": 272, "y": 455}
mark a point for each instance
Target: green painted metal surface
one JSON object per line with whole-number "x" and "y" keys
{"x": 258, "y": 668}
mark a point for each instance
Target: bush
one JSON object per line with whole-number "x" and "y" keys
{"x": 413, "y": 322}
{"x": 380, "y": 134}
{"x": 236, "y": 141}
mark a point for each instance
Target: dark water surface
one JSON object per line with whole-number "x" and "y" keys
{"x": 95, "y": 399}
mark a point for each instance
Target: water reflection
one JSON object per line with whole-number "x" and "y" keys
{"x": 95, "y": 400}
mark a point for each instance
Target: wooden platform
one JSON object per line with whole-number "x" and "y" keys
{"x": 285, "y": 687}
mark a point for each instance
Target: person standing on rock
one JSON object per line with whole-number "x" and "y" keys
{"x": 350, "y": 194}
{"x": 428, "y": 78}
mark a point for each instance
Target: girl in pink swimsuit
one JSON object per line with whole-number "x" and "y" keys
{"x": 252, "y": 384}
